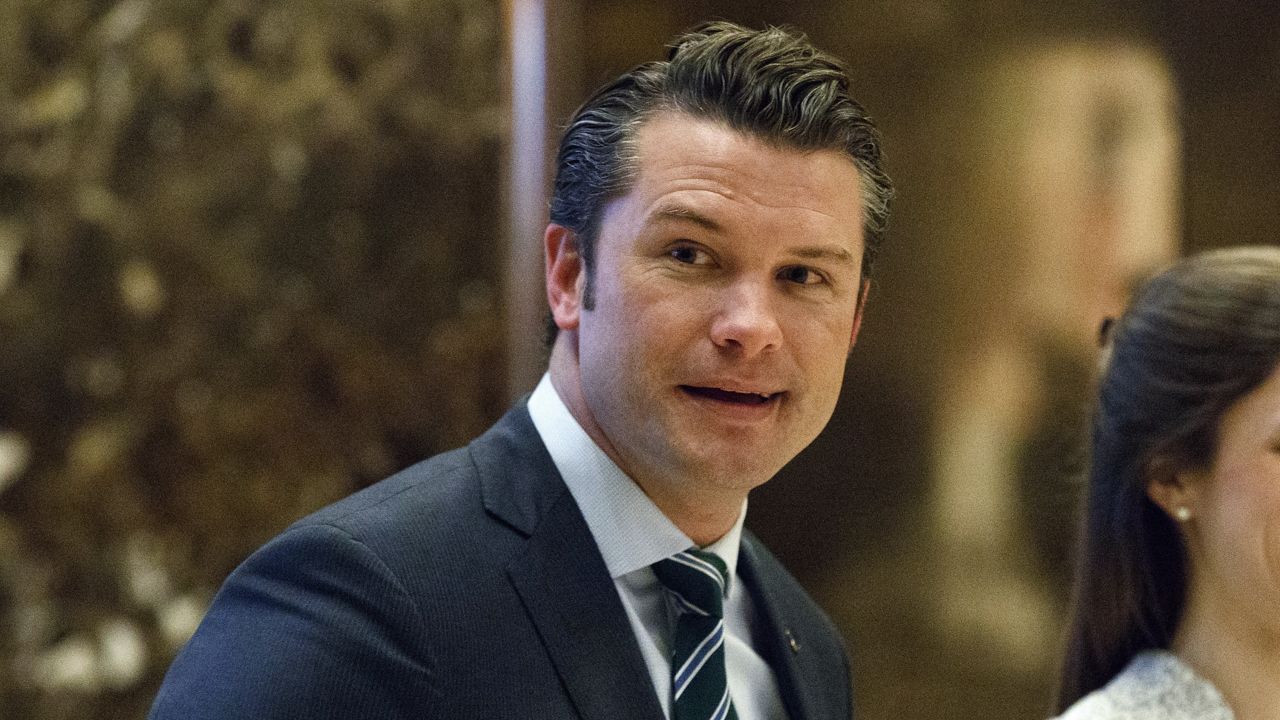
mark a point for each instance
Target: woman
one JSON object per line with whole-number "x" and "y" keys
{"x": 1176, "y": 613}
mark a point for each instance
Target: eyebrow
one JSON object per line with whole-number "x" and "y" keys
{"x": 685, "y": 213}
{"x": 826, "y": 252}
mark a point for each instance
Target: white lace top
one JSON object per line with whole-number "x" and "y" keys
{"x": 1156, "y": 685}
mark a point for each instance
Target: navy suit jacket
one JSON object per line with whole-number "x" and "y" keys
{"x": 467, "y": 586}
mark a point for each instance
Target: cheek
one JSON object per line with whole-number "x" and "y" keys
{"x": 821, "y": 344}
{"x": 1271, "y": 542}
{"x": 1246, "y": 541}
{"x": 663, "y": 324}
{"x": 1272, "y": 558}
{"x": 644, "y": 336}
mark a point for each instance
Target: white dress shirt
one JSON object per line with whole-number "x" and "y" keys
{"x": 632, "y": 534}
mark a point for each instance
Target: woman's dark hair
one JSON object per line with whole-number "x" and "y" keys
{"x": 1196, "y": 338}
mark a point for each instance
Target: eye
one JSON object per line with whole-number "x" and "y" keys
{"x": 801, "y": 275}
{"x": 689, "y": 255}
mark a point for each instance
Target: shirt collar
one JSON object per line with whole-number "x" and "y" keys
{"x": 631, "y": 532}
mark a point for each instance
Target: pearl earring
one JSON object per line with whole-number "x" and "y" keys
{"x": 1182, "y": 513}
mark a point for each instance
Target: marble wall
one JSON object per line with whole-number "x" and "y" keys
{"x": 250, "y": 260}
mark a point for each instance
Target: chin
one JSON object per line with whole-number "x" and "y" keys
{"x": 732, "y": 476}
{"x": 730, "y": 463}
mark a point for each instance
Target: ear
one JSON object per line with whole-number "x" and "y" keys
{"x": 863, "y": 291}
{"x": 1173, "y": 488}
{"x": 564, "y": 275}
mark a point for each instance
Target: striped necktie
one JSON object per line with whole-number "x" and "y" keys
{"x": 697, "y": 582}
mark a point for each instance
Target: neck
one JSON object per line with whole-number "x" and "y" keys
{"x": 702, "y": 522}
{"x": 1239, "y": 652}
{"x": 704, "y": 519}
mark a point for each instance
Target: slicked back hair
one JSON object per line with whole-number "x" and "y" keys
{"x": 769, "y": 84}
{"x": 1196, "y": 339}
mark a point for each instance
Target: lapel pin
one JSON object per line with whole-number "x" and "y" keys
{"x": 792, "y": 642}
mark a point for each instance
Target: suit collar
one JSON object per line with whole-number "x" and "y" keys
{"x": 561, "y": 577}
{"x": 518, "y": 481}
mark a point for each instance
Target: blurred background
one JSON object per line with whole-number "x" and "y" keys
{"x": 257, "y": 255}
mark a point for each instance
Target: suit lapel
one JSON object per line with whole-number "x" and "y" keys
{"x": 779, "y": 641}
{"x": 561, "y": 577}
{"x": 573, "y": 602}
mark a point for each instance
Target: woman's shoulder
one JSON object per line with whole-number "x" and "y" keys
{"x": 1156, "y": 685}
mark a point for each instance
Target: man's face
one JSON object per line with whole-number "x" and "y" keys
{"x": 726, "y": 301}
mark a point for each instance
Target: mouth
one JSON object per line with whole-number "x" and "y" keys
{"x": 731, "y": 396}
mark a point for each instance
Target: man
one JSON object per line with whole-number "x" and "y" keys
{"x": 713, "y": 225}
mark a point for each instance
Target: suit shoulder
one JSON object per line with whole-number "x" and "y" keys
{"x": 311, "y": 598}
{"x": 506, "y": 471}
{"x": 456, "y": 512}
{"x": 441, "y": 480}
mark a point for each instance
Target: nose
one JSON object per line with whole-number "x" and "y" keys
{"x": 746, "y": 322}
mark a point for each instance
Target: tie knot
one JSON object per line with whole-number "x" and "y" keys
{"x": 696, "y": 580}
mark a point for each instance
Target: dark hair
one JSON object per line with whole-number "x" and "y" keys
{"x": 772, "y": 84}
{"x": 1195, "y": 340}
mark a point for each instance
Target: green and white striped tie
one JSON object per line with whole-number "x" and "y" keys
{"x": 697, "y": 583}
